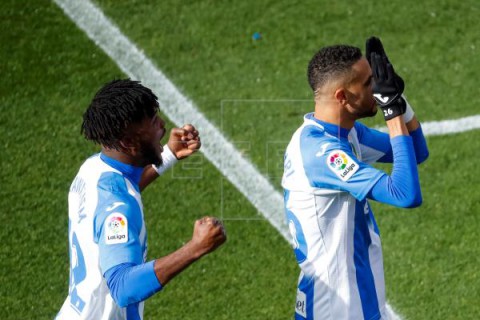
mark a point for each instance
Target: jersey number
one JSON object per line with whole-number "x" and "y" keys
{"x": 77, "y": 274}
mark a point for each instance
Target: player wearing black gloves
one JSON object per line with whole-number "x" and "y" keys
{"x": 329, "y": 181}
{"x": 388, "y": 86}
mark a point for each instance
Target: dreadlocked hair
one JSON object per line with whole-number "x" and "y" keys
{"x": 114, "y": 108}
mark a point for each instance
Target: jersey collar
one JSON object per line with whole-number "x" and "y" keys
{"x": 330, "y": 128}
{"x": 131, "y": 172}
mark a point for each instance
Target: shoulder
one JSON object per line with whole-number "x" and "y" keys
{"x": 117, "y": 209}
{"x": 116, "y": 194}
{"x": 316, "y": 144}
{"x": 311, "y": 138}
{"x": 113, "y": 182}
{"x": 312, "y": 131}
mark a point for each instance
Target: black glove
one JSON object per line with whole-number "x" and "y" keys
{"x": 374, "y": 45}
{"x": 386, "y": 90}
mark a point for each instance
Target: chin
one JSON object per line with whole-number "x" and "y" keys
{"x": 151, "y": 156}
{"x": 373, "y": 111}
{"x": 369, "y": 113}
{"x": 157, "y": 160}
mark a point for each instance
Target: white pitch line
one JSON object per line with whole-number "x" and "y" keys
{"x": 436, "y": 128}
{"x": 216, "y": 148}
{"x": 220, "y": 152}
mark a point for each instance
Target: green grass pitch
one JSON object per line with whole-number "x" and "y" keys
{"x": 50, "y": 70}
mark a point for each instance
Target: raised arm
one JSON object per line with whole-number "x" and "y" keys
{"x": 379, "y": 148}
{"x": 182, "y": 143}
{"x": 393, "y": 87}
{"x": 130, "y": 283}
{"x": 402, "y": 187}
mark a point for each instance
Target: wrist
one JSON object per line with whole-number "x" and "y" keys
{"x": 394, "y": 109}
{"x": 409, "y": 114}
{"x": 195, "y": 250}
{"x": 168, "y": 160}
{"x": 396, "y": 127}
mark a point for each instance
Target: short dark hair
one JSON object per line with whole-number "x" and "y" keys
{"x": 116, "y": 106}
{"x": 330, "y": 63}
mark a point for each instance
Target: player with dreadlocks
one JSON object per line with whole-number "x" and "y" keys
{"x": 109, "y": 275}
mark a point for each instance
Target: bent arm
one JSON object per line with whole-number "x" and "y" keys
{"x": 402, "y": 187}
{"x": 419, "y": 143}
{"x": 380, "y": 141}
{"x": 151, "y": 172}
{"x": 130, "y": 283}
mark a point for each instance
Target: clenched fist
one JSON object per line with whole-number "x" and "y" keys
{"x": 184, "y": 141}
{"x": 208, "y": 234}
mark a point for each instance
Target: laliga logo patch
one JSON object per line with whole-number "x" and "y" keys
{"x": 341, "y": 164}
{"x": 116, "y": 229}
{"x": 338, "y": 161}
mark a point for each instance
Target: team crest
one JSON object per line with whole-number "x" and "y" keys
{"x": 116, "y": 229}
{"x": 342, "y": 164}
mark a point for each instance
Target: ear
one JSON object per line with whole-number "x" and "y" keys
{"x": 341, "y": 96}
{"x": 129, "y": 146}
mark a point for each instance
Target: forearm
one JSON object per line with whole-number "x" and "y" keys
{"x": 413, "y": 124}
{"x": 419, "y": 142}
{"x": 166, "y": 268}
{"x": 402, "y": 187}
{"x": 396, "y": 127}
{"x": 151, "y": 173}
{"x": 415, "y": 131}
{"x": 208, "y": 235}
{"x": 129, "y": 283}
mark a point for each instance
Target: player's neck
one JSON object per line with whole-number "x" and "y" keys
{"x": 120, "y": 156}
{"x": 333, "y": 114}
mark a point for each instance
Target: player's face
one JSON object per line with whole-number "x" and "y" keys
{"x": 150, "y": 134}
{"x": 359, "y": 92}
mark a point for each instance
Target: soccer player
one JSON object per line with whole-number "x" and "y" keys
{"x": 109, "y": 275}
{"x": 328, "y": 181}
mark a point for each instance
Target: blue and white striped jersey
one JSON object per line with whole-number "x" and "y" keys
{"x": 326, "y": 179}
{"x": 106, "y": 228}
